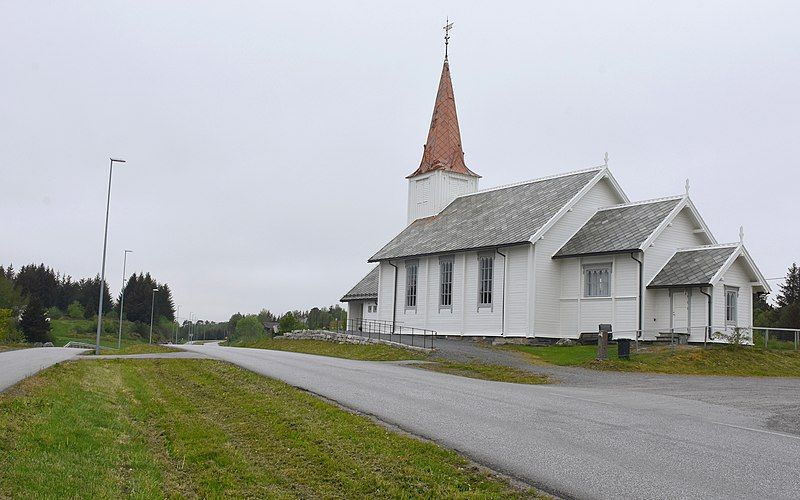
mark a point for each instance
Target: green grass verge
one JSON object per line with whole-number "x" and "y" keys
{"x": 14, "y": 347}
{"x": 203, "y": 428}
{"x": 84, "y": 330}
{"x": 364, "y": 352}
{"x": 485, "y": 371}
{"x": 687, "y": 360}
{"x": 139, "y": 349}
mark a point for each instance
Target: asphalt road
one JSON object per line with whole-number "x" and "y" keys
{"x": 583, "y": 442}
{"x": 22, "y": 363}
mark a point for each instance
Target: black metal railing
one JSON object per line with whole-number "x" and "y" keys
{"x": 393, "y": 332}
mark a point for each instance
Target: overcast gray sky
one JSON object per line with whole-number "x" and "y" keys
{"x": 267, "y": 144}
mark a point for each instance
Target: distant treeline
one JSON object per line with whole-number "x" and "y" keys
{"x": 249, "y": 326}
{"x": 55, "y": 290}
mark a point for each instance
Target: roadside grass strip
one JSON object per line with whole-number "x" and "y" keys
{"x": 139, "y": 349}
{"x": 14, "y": 346}
{"x": 204, "y": 428}
{"x": 363, "y": 352}
{"x": 686, "y": 360}
{"x": 485, "y": 371}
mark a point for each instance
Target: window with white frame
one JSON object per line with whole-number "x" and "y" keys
{"x": 372, "y": 308}
{"x": 446, "y": 282}
{"x": 411, "y": 285}
{"x": 485, "y": 280}
{"x": 731, "y": 305}
{"x": 597, "y": 280}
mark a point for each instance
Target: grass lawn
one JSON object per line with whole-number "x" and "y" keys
{"x": 203, "y": 428}
{"x": 364, "y": 352}
{"x": 688, "y": 360}
{"x": 380, "y": 352}
{"x": 83, "y": 330}
{"x": 485, "y": 371}
{"x": 140, "y": 348}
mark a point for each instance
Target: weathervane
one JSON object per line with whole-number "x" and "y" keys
{"x": 448, "y": 26}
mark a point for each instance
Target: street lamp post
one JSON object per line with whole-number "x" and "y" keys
{"x": 122, "y": 297}
{"x": 152, "y": 308}
{"x": 177, "y": 323}
{"x": 103, "y": 266}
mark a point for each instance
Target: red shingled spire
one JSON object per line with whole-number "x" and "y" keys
{"x": 443, "y": 147}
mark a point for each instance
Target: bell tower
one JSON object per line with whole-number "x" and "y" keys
{"x": 442, "y": 174}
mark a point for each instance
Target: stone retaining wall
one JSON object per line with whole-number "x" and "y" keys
{"x": 347, "y": 339}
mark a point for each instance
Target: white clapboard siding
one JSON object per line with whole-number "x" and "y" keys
{"x": 547, "y": 307}
{"x": 679, "y": 234}
{"x": 516, "y": 291}
{"x": 698, "y": 318}
{"x": 620, "y": 309}
{"x": 736, "y": 276}
{"x": 385, "y": 291}
{"x": 430, "y": 193}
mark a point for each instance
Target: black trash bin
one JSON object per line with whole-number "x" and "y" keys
{"x": 624, "y": 348}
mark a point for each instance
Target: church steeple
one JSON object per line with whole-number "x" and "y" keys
{"x": 442, "y": 150}
{"x": 442, "y": 174}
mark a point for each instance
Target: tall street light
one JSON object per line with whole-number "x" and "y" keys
{"x": 177, "y": 323}
{"x": 122, "y": 297}
{"x": 103, "y": 267}
{"x": 152, "y": 308}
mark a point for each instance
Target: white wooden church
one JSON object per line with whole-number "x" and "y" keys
{"x": 552, "y": 257}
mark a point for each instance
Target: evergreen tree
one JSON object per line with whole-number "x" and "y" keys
{"x": 789, "y": 299}
{"x": 40, "y": 282}
{"x": 89, "y": 294}
{"x": 34, "y": 323}
{"x": 790, "y": 288}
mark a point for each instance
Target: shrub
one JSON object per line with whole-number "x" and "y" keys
{"x": 54, "y": 313}
{"x": 8, "y": 329}
{"x": 289, "y": 323}
{"x": 737, "y": 336}
{"x": 75, "y": 310}
{"x": 249, "y": 328}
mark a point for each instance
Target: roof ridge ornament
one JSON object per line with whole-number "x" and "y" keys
{"x": 605, "y": 160}
{"x": 686, "y": 187}
{"x": 741, "y": 235}
{"x": 447, "y": 27}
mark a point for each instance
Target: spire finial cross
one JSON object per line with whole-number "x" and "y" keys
{"x": 447, "y": 27}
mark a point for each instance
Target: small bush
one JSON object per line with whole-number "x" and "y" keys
{"x": 75, "y": 310}
{"x": 736, "y": 337}
{"x": 9, "y": 334}
{"x": 248, "y": 328}
{"x": 55, "y": 313}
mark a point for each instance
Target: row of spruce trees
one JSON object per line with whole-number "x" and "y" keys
{"x": 35, "y": 294}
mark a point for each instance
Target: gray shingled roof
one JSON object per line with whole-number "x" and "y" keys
{"x": 365, "y": 289}
{"x": 618, "y": 229}
{"x": 496, "y": 217}
{"x": 692, "y": 267}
